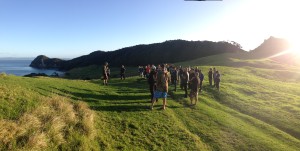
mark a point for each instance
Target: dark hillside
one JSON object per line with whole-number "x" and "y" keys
{"x": 165, "y": 52}
{"x": 169, "y": 51}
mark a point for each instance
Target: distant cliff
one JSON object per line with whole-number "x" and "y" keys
{"x": 43, "y": 62}
{"x": 165, "y": 52}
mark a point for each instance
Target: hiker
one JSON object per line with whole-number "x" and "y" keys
{"x": 214, "y": 76}
{"x": 201, "y": 77}
{"x": 104, "y": 72}
{"x": 210, "y": 76}
{"x": 218, "y": 79}
{"x": 194, "y": 83}
{"x": 161, "y": 86}
{"x": 174, "y": 77}
{"x": 122, "y": 73}
{"x": 185, "y": 80}
{"x": 152, "y": 82}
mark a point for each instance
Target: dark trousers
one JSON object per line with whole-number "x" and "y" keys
{"x": 200, "y": 85}
{"x": 174, "y": 82}
{"x": 217, "y": 83}
{"x": 122, "y": 76}
{"x": 210, "y": 81}
{"x": 185, "y": 86}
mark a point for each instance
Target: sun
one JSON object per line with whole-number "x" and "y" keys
{"x": 294, "y": 46}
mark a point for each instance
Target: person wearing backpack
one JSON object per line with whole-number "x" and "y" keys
{"x": 161, "y": 86}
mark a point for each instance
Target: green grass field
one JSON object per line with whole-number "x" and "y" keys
{"x": 257, "y": 108}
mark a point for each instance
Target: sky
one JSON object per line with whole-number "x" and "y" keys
{"x": 71, "y": 28}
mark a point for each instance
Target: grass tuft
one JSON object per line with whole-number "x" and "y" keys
{"x": 49, "y": 126}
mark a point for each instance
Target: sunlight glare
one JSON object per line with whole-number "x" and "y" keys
{"x": 294, "y": 46}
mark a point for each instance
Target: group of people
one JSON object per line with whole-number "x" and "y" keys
{"x": 144, "y": 71}
{"x": 106, "y": 73}
{"x": 189, "y": 78}
{"x": 160, "y": 76}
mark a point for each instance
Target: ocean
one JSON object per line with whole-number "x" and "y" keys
{"x": 20, "y": 67}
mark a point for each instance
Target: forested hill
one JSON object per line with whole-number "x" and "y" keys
{"x": 165, "y": 52}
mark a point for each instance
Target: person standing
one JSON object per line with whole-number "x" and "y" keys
{"x": 161, "y": 86}
{"x": 180, "y": 72}
{"x": 122, "y": 73}
{"x": 210, "y": 76}
{"x": 174, "y": 77}
{"x": 141, "y": 71}
{"x": 108, "y": 72}
{"x": 104, "y": 73}
{"x": 218, "y": 80}
{"x": 148, "y": 69}
{"x": 201, "y": 77}
{"x": 214, "y": 76}
{"x": 185, "y": 80}
{"x": 194, "y": 83}
{"x": 152, "y": 82}
{"x": 197, "y": 69}
{"x": 145, "y": 72}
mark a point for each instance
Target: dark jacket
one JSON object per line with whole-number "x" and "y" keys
{"x": 152, "y": 77}
{"x": 210, "y": 75}
{"x": 174, "y": 75}
{"x": 123, "y": 70}
{"x": 201, "y": 76}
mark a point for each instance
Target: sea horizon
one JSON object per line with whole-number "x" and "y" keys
{"x": 19, "y": 66}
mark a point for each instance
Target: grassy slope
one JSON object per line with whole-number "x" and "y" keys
{"x": 257, "y": 109}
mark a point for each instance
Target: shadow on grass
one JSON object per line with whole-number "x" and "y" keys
{"x": 139, "y": 83}
{"x": 109, "y": 102}
{"x": 121, "y": 108}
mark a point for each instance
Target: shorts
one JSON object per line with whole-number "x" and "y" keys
{"x": 158, "y": 94}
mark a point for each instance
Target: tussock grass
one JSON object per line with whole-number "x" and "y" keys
{"x": 51, "y": 125}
